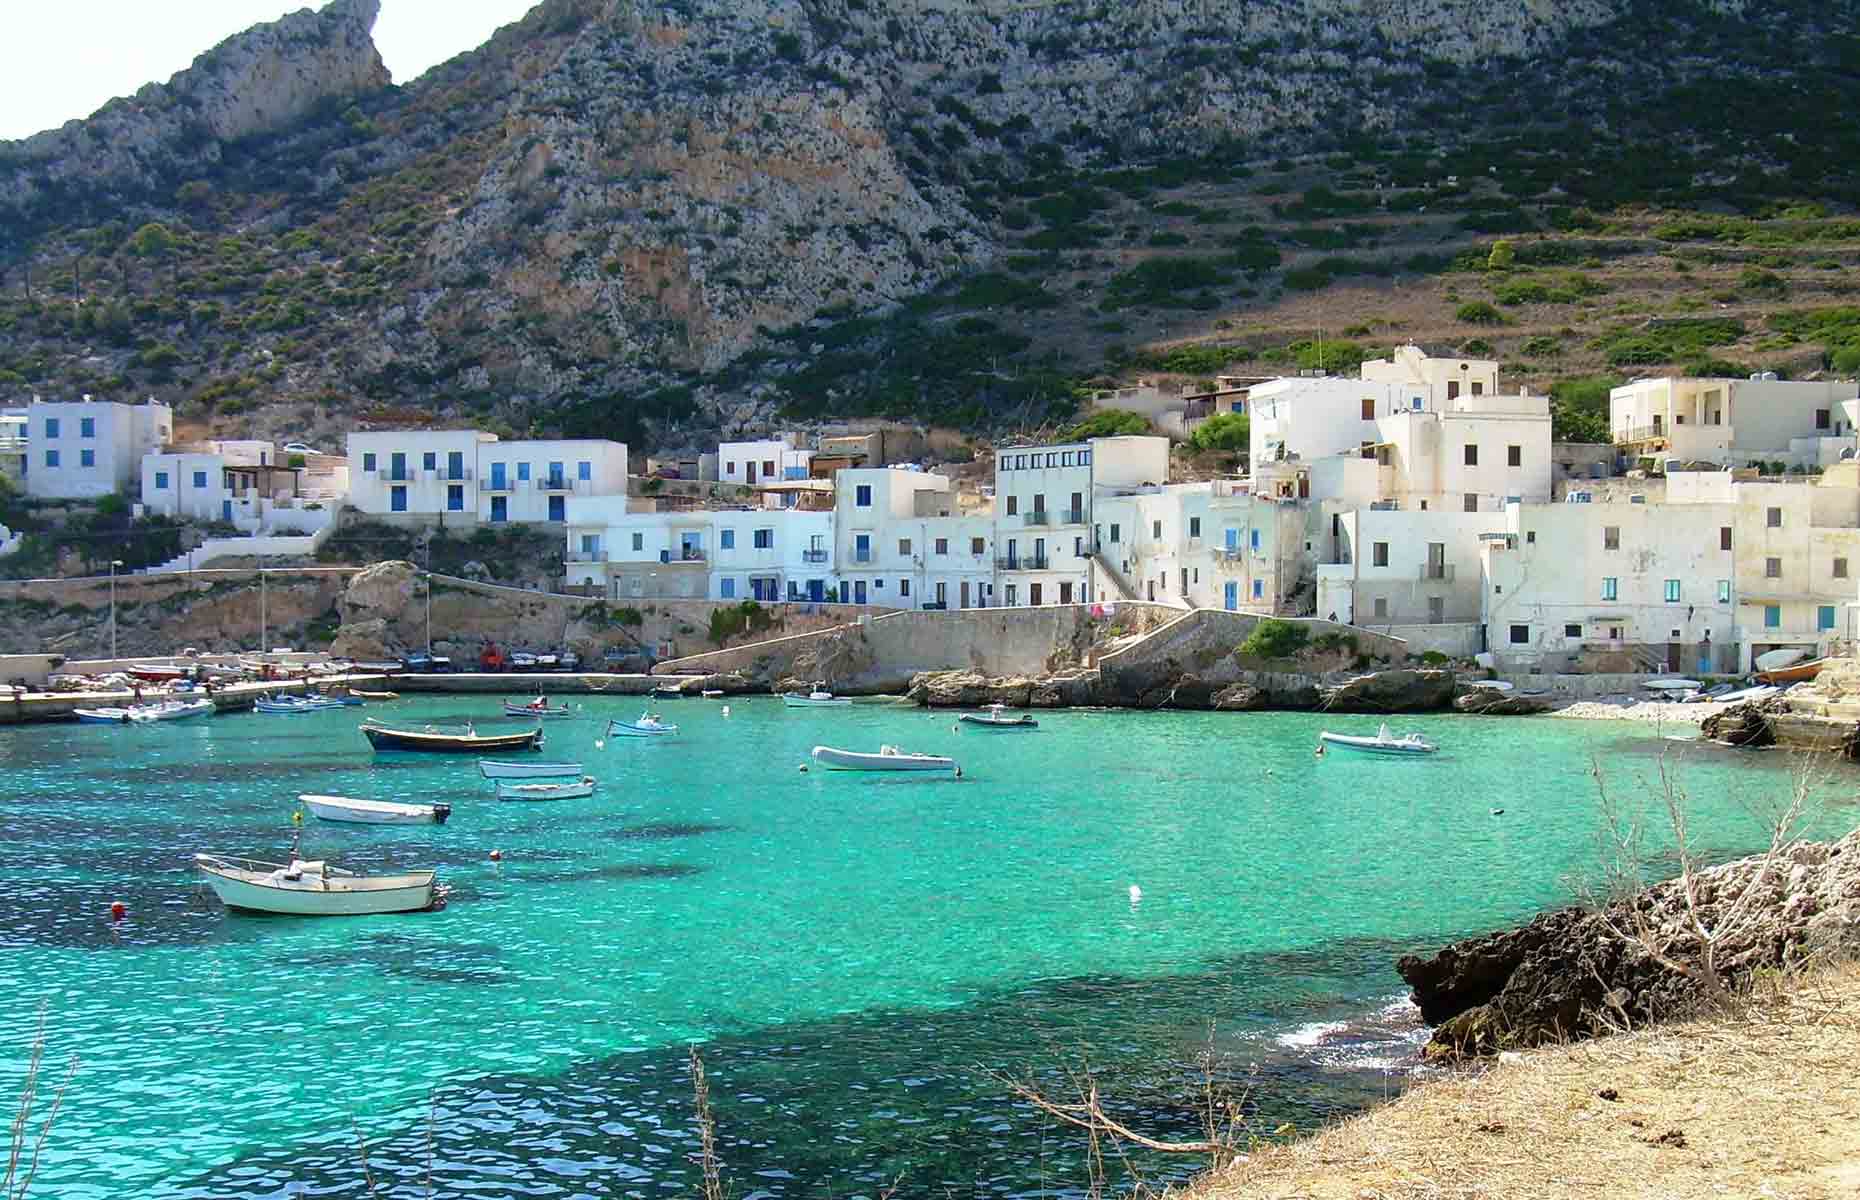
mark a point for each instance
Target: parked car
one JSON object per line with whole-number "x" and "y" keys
{"x": 491, "y": 658}
{"x": 421, "y": 662}
{"x": 299, "y": 448}
{"x": 568, "y": 660}
{"x": 522, "y": 660}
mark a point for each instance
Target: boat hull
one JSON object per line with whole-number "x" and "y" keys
{"x": 178, "y": 712}
{"x": 628, "y": 729}
{"x": 991, "y": 723}
{"x": 524, "y": 710}
{"x": 1367, "y": 745}
{"x": 793, "y": 701}
{"x": 419, "y": 741}
{"x": 853, "y": 760}
{"x": 492, "y": 769}
{"x": 101, "y": 716}
{"x": 251, "y": 891}
{"x": 545, "y": 791}
{"x": 375, "y": 812}
{"x": 1800, "y": 673}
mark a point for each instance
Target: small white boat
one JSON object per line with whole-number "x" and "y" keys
{"x": 375, "y": 812}
{"x": 312, "y": 889}
{"x": 1748, "y": 695}
{"x": 492, "y": 768}
{"x": 1672, "y": 685}
{"x": 711, "y": 693}
{"x": 817, "y": 697}
{"x": 536, "y": 708}
{"x": 297, "y": 704}
{"x": 1489, "y": 685}
{"x": 101, "y": 716}
{"x": 996, "y": 718}
{"x": 547, "y": 791}
{"x": 888, "y": 758}
{"x": 1776, "y": 660}
{"x": 173, "y": 710}
{"x": 1384, "y": 742}
{"x": 648, "y": 725}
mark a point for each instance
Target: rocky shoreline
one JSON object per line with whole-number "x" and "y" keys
{"x": 1566, "y": 976}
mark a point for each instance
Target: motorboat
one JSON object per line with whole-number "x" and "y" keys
{"x": 648, "y": 725}
{"x": 156, "y": 672}
{"x": 1407, "y": 745}
{"x": 996, "y": 718}
{"x": 817, "y": 697}
{"x": 1490, "y": 685}
{"x": 340, "y": 700}
{"x": 888, "y": 758}
{"x": 1776, "y": 660}
{"x": 296, "y": 704}
{"x": 547, "y": 791}
{"x": 172, "y": 710}
{"x": 491, "y": 768}
{"x": 376, "y": 695}
{"x": 1798, "y": 673}
{"x": 438, "y": 741}
{"x": 101, "y": 716}
{"x": 712, "y": 693}
{"x": 375, "y": 812}
{"x": 313, "y": 888}
{"x": 537, "y": 708}
{"x": 1672, "y": 685}
{"x": 668, "y": 691}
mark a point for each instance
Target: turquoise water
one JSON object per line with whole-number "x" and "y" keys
{"x": 857, "y": 954}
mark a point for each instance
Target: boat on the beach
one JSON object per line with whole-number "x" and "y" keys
{"x": 888, "y": 758}
{"x": 537, "y": 708}
{"x": 1489, "y": 685}
{"x": 817, "y": 697}
{"x": 1672, "y": 685}
{"x": 1798, "y": 673}
{"x": 437, "y": 741}
{"x": 172, "y": 710}
{"x": 312, "y": 888}
{"x": 1386, "y": 743}
{"x": 547, "y": 791}
{"x": 491, "y": 768}
{"x": 1776, "y": 660}
{"x": 375, "y": 812}
{"x": 376, "y": 695}
{"x": 648, "y": 725}
{"x": 995, "y": 718}
{"x": 1748, "y": 695}
{"x": 156, "y": 672}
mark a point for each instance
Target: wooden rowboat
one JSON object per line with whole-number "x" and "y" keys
{"x": 1798, "y": 673}
{"x": 888, "y": 758}
{"x": 375, "y": 812}
{"x": 536, "y": 710}
{"x": 435, "y": 741}
{"x": 312, "y": 889}
{"x": 490, "y": 768}
{"x": 547, "y": 791}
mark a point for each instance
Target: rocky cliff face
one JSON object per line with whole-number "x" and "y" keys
{"x": 258, "y": 82}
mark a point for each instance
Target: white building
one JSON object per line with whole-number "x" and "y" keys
{"x": 1735, "y": 421}
{"x": 192, "y": 486}
{"x": 532, "y": 480}
{"x": 88, "y": 449}
{"x": 1045, "y": 529}
{"x": 472, "y": 476}
{"x": 637, "y": 555}
{"x": 1393, "y": 567}
{"x": 771, "y": 555}
{"x": 771, "y": 460}
{"x": 14, "y": 443}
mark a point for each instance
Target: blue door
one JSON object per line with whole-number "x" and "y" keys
{"x": 1233, "y": 539}
{"x": 455, "y": 498}
{"x": 497, "y": 476}
{"x": 397, "y": 499}
{"x": 500, "y": 508}
{"x": 557, "y": 512}
{"x": 455, "y": 465}
{"x": 816, "y": 590}
{"x": 226, "y": 510}
{"x": 858, "y": 591}
{"x": 397, "y": 467}
{"x": 1230, "y": 596}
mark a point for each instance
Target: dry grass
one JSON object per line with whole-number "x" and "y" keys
{"x": 1767, "y": 1106}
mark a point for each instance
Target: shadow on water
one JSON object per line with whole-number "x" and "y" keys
{"x": 917, "y": 1100}
{"x": 664, "y": 832}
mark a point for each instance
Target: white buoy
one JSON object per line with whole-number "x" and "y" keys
{"x": 1136, "y": 894}
{"x": 600, "y": 744}
{"x": 726, "y": 710}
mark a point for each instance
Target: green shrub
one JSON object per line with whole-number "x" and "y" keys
{"x": 1543, "y": 346}
{"x": 1222, "y": 431}
{"x": 1109, "y": 422}
{"x": 1273, "y": 638}
{"x": 1433, "y": 658}
{"x": 1478, "y": 312}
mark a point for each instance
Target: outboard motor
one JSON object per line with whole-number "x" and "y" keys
{"x": 440, "y": 813}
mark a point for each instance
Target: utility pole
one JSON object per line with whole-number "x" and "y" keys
{"x": 114, "y": 563}
{"x": 429, "y": 605}
{"x": 261, "y": 606}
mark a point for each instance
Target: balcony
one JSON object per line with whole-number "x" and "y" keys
{"x": 1071, "y": 516}
{"x": 814, "y": 556}
{"x": 403, "y": 475}
{"x": 555, "y": 483}
{"x": 689, "y": 554}
{"x": 1025, "y": 562}
{"x": 495, "y": 485}
{"x": 1036, "y": 517}
{"x": 586, "y": 556}
{"x": 1436, "y": 573}
{"x": 450, "y": 475}
{"x": 1638, "y": 433}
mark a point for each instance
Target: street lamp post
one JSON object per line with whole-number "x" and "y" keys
{"x": 114, "y": 563}
{"x": 429, "y": 606}
{"x": 262, "y": 631}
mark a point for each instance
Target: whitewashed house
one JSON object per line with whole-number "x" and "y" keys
{"x": 88, "y": 449}
{"x": 1735, "y": 421}
{"x": 770, "y": 460}
{"x": 469, "y": 476}
{"x": 14, "y": 444}
{"x": 1046, "y": 532}
{"x": 637, "y": 555}
{"x": 1408, "y": 572}
{"x": 771, "y": 555}
{"x": 531, "y": 481}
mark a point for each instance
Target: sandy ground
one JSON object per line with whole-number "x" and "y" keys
{"x": 1635, "y": 708}
{"x": 1763, "y": 1106}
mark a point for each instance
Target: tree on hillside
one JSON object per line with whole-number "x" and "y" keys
{"x": 1109, "y": 422}
{"x": 1579, "y": 408}
{"x": 1222, "y": 431}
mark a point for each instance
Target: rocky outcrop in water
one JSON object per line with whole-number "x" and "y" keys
{"x": 1425, "y": 690}
{"x": 1564, "y": 975}
{"x": 1741, "y": 725}
{"x": 1487, "y": 702}
{"x": 972, "y": 689}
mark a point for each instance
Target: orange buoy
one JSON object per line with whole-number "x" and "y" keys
{"x": 497, "y": 856}
{"x": 118, "y": 910}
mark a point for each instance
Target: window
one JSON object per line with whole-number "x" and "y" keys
{"x": 368, "y": 462}
{"x": 1380, "y": 610}
{"x": 904, "y": 587}
{"x": 768, "y": 468}
{"x": 584, "y": 470}
{"x": 1822, "y": 418}
{"x": 639, "y": 541}
{"x": 862, "y": 547}
{"x": 1369, "y": 409}
{"x": 1065, "y": 458}
{"x": 87, "y": 458}
{"x": 1611, "y": 588}
{"x": 161, "y": 481}
{"x": 726, "y": 588}
{"x": 1824, "y": 618}
{"x": 729, "y": 468}
{"x": 1472, "y": 454}
{"x": 51, "y": 427}
{"x": 1259, "y": 589}
{"x": 1514, "y": 456}
{"x": 1724, "y": 591}
{"x": 87, "y": 427}
{"x": 1672, "y": 591}
{"x": 1378, "y": 554}
{"x": 1773, "y": 517}
{"x": 977, "y": 546}
{"x": 1611, "y": 537}
{"x": 1520, "y": 635}
{"x": 1084, "y": 458}
{"x": 1772, "y": 616}
{"x": 429, "y": 461}
{"x": 200, "y": 479}
{"x": 1156, "y": 530}
{"x": 523, "y": 470}
{"x": 1724, "y": 537}
{"x": 1530, "y": 537}
{"x": 726, "y": 539}
{"x": 1471, "y": 503}
{"x": 1573, "y": 631}
{"x": 1772, "y": 568}
{"x": 1052, "y": 460}
{"x": 942, "y": 545}
{"x": 862, "y": 496}
{"x": 1114, "y": 531}
{"x": 1840, "y": 568}
{"x": 1194, "y": 527}
{"x": 904, "y": 547}
{"x": 764, "y": 539}
{"x": 1013, "y": 505}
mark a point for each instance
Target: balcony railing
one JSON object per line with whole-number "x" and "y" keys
{"x": 814, "y": 556}
{"x": 1024, "y": 562}
{"x": 494, "y": 484}
{"x": 689, "y": 554}
{"x": 555, "y": 483}
{"x": 1037, "y": 517}
{"x": 13, "y": 445}
{"x": 1639, "y": 433}
{"x": 587, "y": 556}
{"x": 862, "y": 556}
{"x": 1440, "y": 572}
{"x": 1071, "y": 516}
{"x": 451, "y": 475}
{"x": 403, "y": 475}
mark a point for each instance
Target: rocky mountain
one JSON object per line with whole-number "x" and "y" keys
{"x": 658, "y": 219}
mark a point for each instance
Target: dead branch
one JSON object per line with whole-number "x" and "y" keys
{"x": 707, "y": 1129}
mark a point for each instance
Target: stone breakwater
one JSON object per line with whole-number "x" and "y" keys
{"x": 1397, "y": 690}
{"x": 1565, "y": 975}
